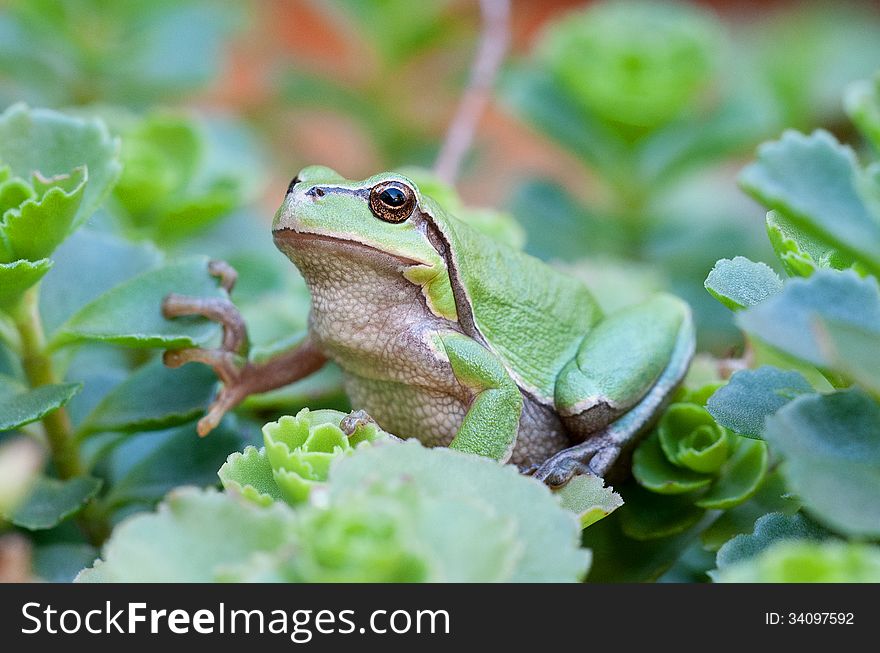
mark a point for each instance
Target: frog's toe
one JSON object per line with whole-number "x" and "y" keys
{"x": 559, "y": 470}
{"x": 603, "y": 460}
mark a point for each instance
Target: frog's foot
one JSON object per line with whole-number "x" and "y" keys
{"x": 240, "y": 377}
{"x": 355, "y": 419}
{"x": 358, "y": 418}
{"x": 595, "y": 456}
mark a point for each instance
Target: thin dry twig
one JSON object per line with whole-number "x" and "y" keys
{"x": 493, "y": 45}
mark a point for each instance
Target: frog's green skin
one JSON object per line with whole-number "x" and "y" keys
{"x": 444, "y": 334}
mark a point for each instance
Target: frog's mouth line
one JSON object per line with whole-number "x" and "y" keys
{"x": 290, "y": 239}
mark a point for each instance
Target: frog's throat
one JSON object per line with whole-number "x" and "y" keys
{"x": 288, "y": 240}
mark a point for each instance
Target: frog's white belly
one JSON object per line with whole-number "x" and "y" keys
{"x": 434, "y": 416}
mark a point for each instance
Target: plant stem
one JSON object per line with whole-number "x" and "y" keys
{"x": 37, "y": 365}
{"x": 38, "y": 369}
{"x": 493, "y": 45}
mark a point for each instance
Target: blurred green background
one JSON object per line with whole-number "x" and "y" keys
{"x": 614, "y": 136}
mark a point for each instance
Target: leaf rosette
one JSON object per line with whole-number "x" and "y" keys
{"x": 691, "y": 454}
{"x": 297, "y": 454}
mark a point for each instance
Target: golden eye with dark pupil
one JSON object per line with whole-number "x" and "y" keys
{"x": 392, "y": 201}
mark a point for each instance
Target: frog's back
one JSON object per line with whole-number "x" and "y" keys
{"x": 531, "y": 315}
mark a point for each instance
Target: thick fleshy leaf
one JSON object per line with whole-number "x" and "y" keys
{"x": 852, "y": 351}
{"x": 622, "y": 559}
{"x": 35, "y": 229}
{"x": 740, "y": 283}
{"x": 653, "y": 471}
{"x": 193, "y": 535}
{"x": 862, "y": 102}
{"x": 769, "y": 529}
{"x": 51, "y": 143}
{"x": 146, "y": 466}
{"x": 301, "y": 448}
{"x": 549, "y": 535}
{"x": 740, "y": 477}
{"x": 249, "y": 473}
{"x": 772, "y": 496}
{"x": 130, "y": 314}
{"x": 52, "y": 501}
{"x": 812, "y": 181}
{"x": 153, "y": 397}
{"x": 20, "y": 405}
{"x": 542, "y": 101}
{"x": 86, "y": 265}
{"x": 831, "y": 447}
{"x": 752, "y": 395}
{"x": 691, "y": 439}
{"x": 647, "y": 515}
{"x": 787, "y": 320}
{"x": 17, "y": 277}
{"x": 60, "y": 563}
{"x": 587, "y": 497}
{"x": 800, "y": 252}
{"x": 808, "y": 562}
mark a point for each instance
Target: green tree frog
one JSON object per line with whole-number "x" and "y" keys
{"x": 449, "y": 336}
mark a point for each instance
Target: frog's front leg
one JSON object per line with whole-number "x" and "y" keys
{"x": 492, "y": 421}
{"x": 240, "y": 376}
{"x": 617, "y": 384}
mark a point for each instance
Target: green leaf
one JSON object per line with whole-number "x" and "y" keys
{"x": 542, "y": 101}
{"x": 548, "y": 534}
{"x": 20, "y": 406}
{"x": 653, "y": 470}
{"x": 831, "y": 446}
{"x": 48, "y": 142}
{"x": 17, "y": 277}
{"x": 161, "y": 154}
{"x": 772, "y": 496}
{"x": 799, "y": 252}
{"x": 862, "y": 102}
{"x": 191, "y": 538}
{"x": 302, "y": 448}
{"x": 851, "y": 351}
{"x": 622, "y": 559}
{"x": 146, "y": 466}
{"x": 633, "y": 64}
{"x": 587, "y": 497}
{"x": 249, "y": 474}
{"x": 768, "y": 530}
{"x": 52, "y": 501}
{"x": 787, "y": 321}
{"x": 130, "y": 314}
{"x": 752, "y": 395}
{"x": 648, "y": 516}
{"x": 740, "y": 477}
{"x": 59, "y": 563}
{"x": 88, "y": 264}
{"x": 153, "y": 397}
{"x": 740, "y": 283}
{"x": 809, "y": 562}
{"x": 691, "y": 439}
{"x": 34, "y": 229}
{"x": 812, "y": 180}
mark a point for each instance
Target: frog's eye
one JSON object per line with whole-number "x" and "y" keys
{"x": 392, "y": 201}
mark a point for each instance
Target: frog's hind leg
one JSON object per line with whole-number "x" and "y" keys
{"x": 618, "y": 383}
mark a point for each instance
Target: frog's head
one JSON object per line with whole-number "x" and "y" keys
{"x": 380, "y": 222}
{"x": 381, "y": 213}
